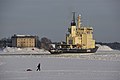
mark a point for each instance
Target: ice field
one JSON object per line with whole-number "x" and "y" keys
{"x": 102, "y": 65}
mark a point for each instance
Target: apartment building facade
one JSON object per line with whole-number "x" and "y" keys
{"x": 23, "y": 41}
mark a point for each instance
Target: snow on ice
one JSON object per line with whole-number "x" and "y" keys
{"x": 102, "y": 65}
{"x": 56, "y": 68}
{"x": 104, "y": 48}
{"x": 13, "y": 50}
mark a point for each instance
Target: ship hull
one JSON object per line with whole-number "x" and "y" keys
{"x": 66, "y": 50}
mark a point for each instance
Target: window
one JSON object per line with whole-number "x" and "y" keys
{"x": 70, "y": 41}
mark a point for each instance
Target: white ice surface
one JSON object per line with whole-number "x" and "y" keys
{"x": 102, "y": 65}
{"x": 58, "y": 68}
{"x": 13, "y": 50}
{"x": 104, "y": 48}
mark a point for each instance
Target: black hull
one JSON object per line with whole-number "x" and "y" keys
{"x": 65, "y": 50}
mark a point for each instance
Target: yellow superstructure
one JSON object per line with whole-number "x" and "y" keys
{"x": 79, "y": 36}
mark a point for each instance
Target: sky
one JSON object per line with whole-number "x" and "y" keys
{"x": 51, "y": 18}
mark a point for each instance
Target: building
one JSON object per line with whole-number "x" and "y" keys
{"x": 80, "y": 36}
{"x": 23, "y": 41}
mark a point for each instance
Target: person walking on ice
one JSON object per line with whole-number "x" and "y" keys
{"x": 38, "y": 67}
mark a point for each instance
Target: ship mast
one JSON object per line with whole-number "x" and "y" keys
{"x": 79, "y": 21}
{"x": 73, "y": 21}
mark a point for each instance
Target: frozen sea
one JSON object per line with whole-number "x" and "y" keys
{"x": 102, "y": 65}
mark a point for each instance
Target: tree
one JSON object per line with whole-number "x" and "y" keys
{"x": 45, "y": 43}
